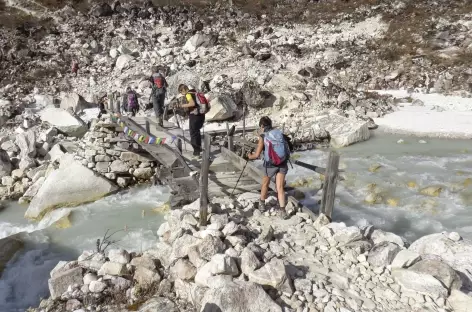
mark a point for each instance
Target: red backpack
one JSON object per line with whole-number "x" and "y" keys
{"x": 203, "y": 105}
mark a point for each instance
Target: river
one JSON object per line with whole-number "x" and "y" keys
{"x": 402, "y": 170}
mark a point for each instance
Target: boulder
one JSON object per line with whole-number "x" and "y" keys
{"x": 26, "y": 141}
{"x": 183, "y": 270}
{"x": 64, "y": 121}
{"x": 200, "y": 40}
{"x": 439, "y": 270}
{"x": 271, "y": 274}
{"x": 187, "y": 77}
{"x": 113, "y": 268}
{"x": 424, "y": 284}
{"x": 347, "y": 235}
{"x": 119, "y": 166}
{"x": 210, "y": 246}
{"x": 249, "y": 261}
{"x": 222, "y": 108}
{"x": 182, "y": 246}
{"x": 223, "y": 264}
{"x": 379, "y": 236}
{"x": 61, "y": 282}
{"x": 6, "y": 111}
{"x": 238, "y": 296}
{"x": 74, "y": 102}
{"x": 251, "y": 92}
{"x": 97, "y": 286}
{"x": 143, "y": 173}
{"x": 190, "y": 292}
{"x": 343, "y": 131}
{"x": 321, "y": 221}
{"x": 455, "y": 253}
{"x": 146, "y": 277}
{"x": 9, "y": 246}
{"x": 159, "y": 304}
{"x": 383, "y": 254}
{"x": 119, "y": 256}
{"x": 70, "y": 185}
{"x": 5, "y": 164}
{"x": 405, "y": 258}
{"x": 459, "y": 301}
{"x": 144, "y": 261}
{"x": 122, "y": 61}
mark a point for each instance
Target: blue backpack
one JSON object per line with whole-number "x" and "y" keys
{"x": 276, "y": 148}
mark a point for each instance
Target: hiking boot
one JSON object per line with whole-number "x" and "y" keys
{"x": 160, "y": 121}
{"x": 261, "y": 205}
{"x": 281, "y": 213}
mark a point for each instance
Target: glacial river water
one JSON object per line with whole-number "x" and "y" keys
{"x": 401, "y": 171}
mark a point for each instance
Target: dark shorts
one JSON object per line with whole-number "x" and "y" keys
{"x": 272, "y": 171}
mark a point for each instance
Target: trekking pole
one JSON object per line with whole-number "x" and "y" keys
{"x": 240, "y": 177}
{"x": 178, "y": 125}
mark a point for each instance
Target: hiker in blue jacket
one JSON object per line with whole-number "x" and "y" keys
{"x": 276, "y": 156}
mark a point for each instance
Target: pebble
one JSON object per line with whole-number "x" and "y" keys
{"x": 454, "y": 236}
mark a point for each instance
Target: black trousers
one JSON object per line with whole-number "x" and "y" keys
{"x": 158, "y": 103}
{"x": 195, "y": 123}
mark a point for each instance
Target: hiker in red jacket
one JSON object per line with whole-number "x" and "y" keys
{"x": 75, "y": 67}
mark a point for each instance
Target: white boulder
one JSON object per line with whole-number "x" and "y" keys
{"x": 343, "y": 131}
{"x": 64, "y": 121}
{"x": 222, "y": 108}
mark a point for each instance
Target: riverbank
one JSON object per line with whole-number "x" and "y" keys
{"x": 248, "y": 260}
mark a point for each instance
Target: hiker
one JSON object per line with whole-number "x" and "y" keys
{"x": 75, "y": 67}
{"x": 101, "y": 106}
{"x": 159, "y": 88}
{"x": 130, "y": 102}
{"x": 197, "y": 106}
{"x": 276, "y": 148}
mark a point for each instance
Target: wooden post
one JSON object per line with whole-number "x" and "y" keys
{"x": 244, "y": 121}
{"x": 204, "y": 180}
{"x": 329, "y": 188}
{"x": 179, "y": 145}
{"x": 230, "y": 138}
{"x": 148, "y": 128}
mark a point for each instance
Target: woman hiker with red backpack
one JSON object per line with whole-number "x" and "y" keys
{"x": 276, "y": 148}
{"x": 159, "y": 89}
{"x": 198, "y": 106}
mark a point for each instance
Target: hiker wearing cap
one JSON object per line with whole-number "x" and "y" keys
{"x": 159, "y": 89}
{"x": 130, "y": 102}
{"x": 276, "y": 148}
{"x": 198, "y": 106}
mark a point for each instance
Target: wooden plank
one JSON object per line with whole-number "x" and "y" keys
{"x": 204, "y": 180}
{"x": 242, "y": 141}
{"x": 257, "y": 175}
{"x": 230, "y": 138}
{"x": 329, "y": 188}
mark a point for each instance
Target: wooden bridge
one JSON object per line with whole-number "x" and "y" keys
{"x": 219, "y": 170}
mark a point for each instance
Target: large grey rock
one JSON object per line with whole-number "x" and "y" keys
{"x": 146, "y": 277}
{"x": 182, "y": 245}
{"x": 456, "y": 254}
{"x": 70, "y": 185}
{"x": 64, "y": 121}
{"x": 119, "y": 256}
{"x": 113, "y": 268}
{"x": 343, "y": 131}
{"x": 238, "y": 296}
{"x": 424, "y": 284}
{"x": 59, "y": 284}
{"x": 223, "y": 264}
{"x": 144, "y": 261}
{"x": 405, "y": 258}
{"x": 123, "y": 61}
{"x": 271, "y": 274}
{"x": 27, "y": 143}
{"x": 249, "y": 261}
{"x": 5, "y": 164}
{"x": 210, "y": 246}
{"x": 183, "y": 270}
{"x": 119, "y": 166}
{"x": 186, "y": 77}
{"x": 74, "y": 102}
{"x": 383, "y": 254}
{"x": 439, "y": 270}
{"x": 379, "y": 236}
{"x": 459, "y": 301}
{"x": 251, "y": 92}
{"x": 143, "y": 173}
{"x": 159, "y": 304}
{"x": 347, "y": 235}
{"x": 9, "y": 246}
{"x": 222, "y": 108}
{"x": 200, "y": 40}
{"x": 321, "y": 221}
{"x": 190, "y": 292}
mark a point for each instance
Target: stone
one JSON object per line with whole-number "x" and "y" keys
{"x": 204, "y": 275}
{"x": 183, "y": 270}
{"x": 459, "y": 301}
{"x": 267, "y": 234}
{"x": 33, "y": 189}
{"x": 200, "y": 40}
{"x": 123, "y": 181}
{"x": 219, "y": 221}
{"x": 130, "y": 157}
{"x": 347, "y": 235}
{"x": 144, "y": 261}
{"x": 64, "y": 121}
{"x": 73, "y": 305}
{"x": 61, "y": 282}
{"x": 26, "y": 163}
{"x": 271, "y": 274}
{"x": 70, "y": 185}
{"x": 5, "y": 164}
{"x": 113, "y": 268}
{"x": 303, "y": 285}
{"x": 210, "y": 246}
{"x": 222, "y": 108}
{"x": 143, "y": 173}
{"x": 454, "y": 236}
{"x": 159, "y": 304}
{"x": 404, "y": 259}
{"x": 249, "y": 261}
{"x": 223, "y": 264}
{"x": 182, "y": 245}
{"x": 119, "y": 166}
{"x": 343, "y": 131}
{"x": 7, "y": 181}
{"x": 89, "y": 277}
{"x": 27, "y": 143}
{"x": 97, "y": 286}
{"x": 190, "y": 292}
{"x": 119, "y": 256}
{"x": 74, "y": 102}
{"x": 239, "y": 296}
{"x": 251, "y": 92}
{"x": 123, "y": 61}
{"x": 424, "y": 284}
{"x": 55, "y": 153}
{"x": 439, "y": 270}
{"x": 120, "y": 283}
{"x": 456, "y": 254}
{"x": 102, "y": 158}
{"x": 321, "y": 221}
{"x": 9, "y": 246}
{"x": 383, "y": 254}
{"x": 146, "y": 277}
{"x": 379, "y": 236}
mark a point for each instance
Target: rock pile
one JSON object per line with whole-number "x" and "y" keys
{"x": 245, "y": 260}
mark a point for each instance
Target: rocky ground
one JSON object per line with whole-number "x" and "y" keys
{"x": 248, "y": 260}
